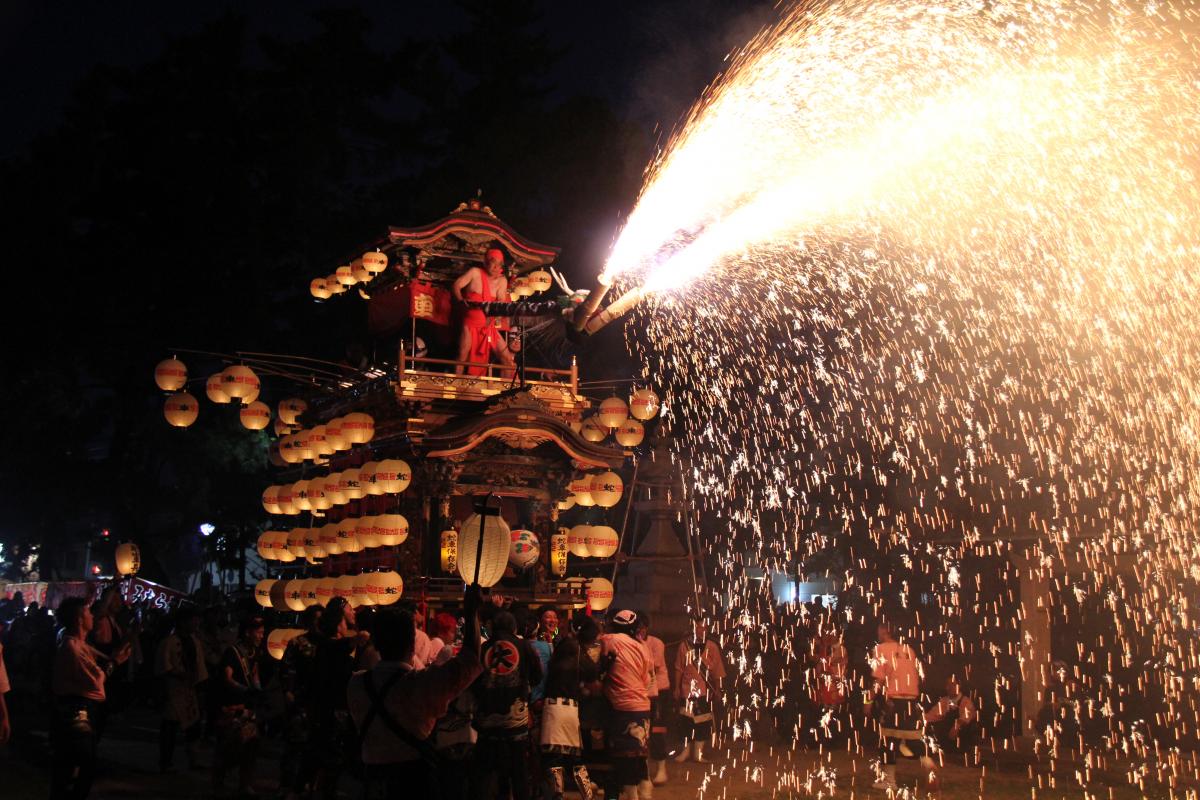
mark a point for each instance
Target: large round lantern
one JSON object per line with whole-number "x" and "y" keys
{"x": 334, "y": 437}
{"x": 291, "y": 408}
{"x": 360, "y": 273}
{"x": 393, "y": 476}
{"x": 293, "y": 595}
{"x": 279, "y": 545}
{"x": 603, "y": 541}
{"x": 605, "y": 488}
{"x": 392, "y": 529}
{"x": 319, "y": 444}
{"x": 289, "y": 449}
{"x": 318, "y": 289}
{"x": 255, "y": 416}
{"x": 644, "y": 404}
{"x": 181, "y": 410}
{"x": 580, "y": 490}
{"x": 316, "y": 495}
{"x": 287, "y": 500}
{"x": 262, "y": 592}
{"x": 521, "y": 287}
{"x": 266, "y": 545}
{"x": 170, "y": 375}
{"x": 328, "y": 536}
{"x": 300, "y": 496}
{"x": 215, "y": 389}
{"x": 630, "y": 433}
{"x": 449, "y": 551}
{"x": 366, "y": 479}
{"x": 312, "y": 543}
{"x": 539, "y": 280}
{"x": 523, "y": 549}
{"x": 343, "y": 587}
{"x": 349, "y": 484}
{"x": 270, "y": 500}
{"x": 310, "y": 592}
{"x": 278, "y": 639}
{"x": 386, "y": 587}
{"x": 241, "y": 382}
{"x": 345, "y": 275}
{"x": 374, "y": 262}
{"x": 128, "y": 558}
{"x": 367, "y": 532}
{"x": 324, "y": 590}
{"x": 334, "y": 490}
{"x": 584, "y": 499}
{"x": 358, "y": 427}
{"x": 362, "y": 590}
{"x": 295, "y": 542}
{"x": 599, "y": 593}
{"x": 558, "y": 552}
{"x": 613, "y": 412}
{"x": 334, "y": 285}
{"x": 496, "y": 544}
{"x": 347, "y": 533}
{"x": 281, "y": 428}
{"x": 592, "y": 430}
{"x": 577, "y": 540}
{"x": 302, "y": 446}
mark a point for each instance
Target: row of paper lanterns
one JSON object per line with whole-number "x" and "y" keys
{"x": 351, "y": 535}
{"x": 297, "y": 594}
{"x": 374, "y": 478}
{"x": 602, "y": 489}
{"x": 360, "y": 270}
{"x": 335, "y": 436}
{"x": 622, "y": 420}
{"x": 238, "y": 381}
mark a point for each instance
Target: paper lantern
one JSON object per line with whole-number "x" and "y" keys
{"x": 128, "y": 558}
{"x": 343, "y": 587}
{"x": 318, "y": 289}
{"x": 374, "y": 262}
{"x": 170, "y": 375}
{"x": 334, "y": 437}
{"x": 278, "y": 639}
{"x": 262, "y": 592}
{"x": 349, "y": 484}
{"x": 324, "y": 590}
{"x": 266, "y": 546}
{"x": 362, "y": 590}
{"x": 521, "y": 287}
{"x": 603, "y": 541}
{"x": 288, "y": 450}
{"x": 345, "y": 275}
{"x": 558, "y": 552}
{"x": 279, "y": 545}
{"x": 333, "y": 285}
{"x": 316, "y": 495}
{"x": 496, "y": 543}
{"x": 333, "y": 489}
{"x": 286, "y": 500}
{"x": 366, "y": 479}
{"x": 584, "y": 499}
{"x": 300, "y": 496}
{"x": 577, "y": 540}
{"x": 358, "y": 428}
{"x": 580, "y": 490}
{"x": 328, "y": 536}
{"x": 392, "y": 529}
{"x": 347, "y": 533}
{"x": 181, "y": 410}
{"x": 539, "y": 280}
{"x": 270, "y": 500}
{"x": 385, "y": 587}
{"x": 644, "y": 404}
{"x": 310, "y": 592}
{"x": 293, "y": 593}
{"x": 592, "y": 430}
{"x": 567, "y": 503}
{"x": 312, "y": 543}
{"x": 240, "y": 381}
{"x": 606, "y": 488}
{"x": 295, "y": 542}
{"x": 319, "y": 444}
{"x": 360, "y": 273}
{"x": 215, "y": 389}
{"x": 630, "y": 433}
{"x": 523, "y": 548}
{"x": 290, "y": 409}
{"x": 366, "y": 532}
{"x": 613, "y": 412}
{"x": 302, "y": 447}
{"x": 393, "y": 476}
{"x": 599, "y": 593}
{"x": 280, "y": 427}
{"x": 449, "y": 551}
{"x": 255, "y": 416}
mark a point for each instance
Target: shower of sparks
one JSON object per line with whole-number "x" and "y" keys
{"x": 923, "y": 289}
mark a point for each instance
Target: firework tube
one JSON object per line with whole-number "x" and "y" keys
{"x": 585, "y": 311}
{"x": 618, "y": 309}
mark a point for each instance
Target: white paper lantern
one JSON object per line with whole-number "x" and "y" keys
{"x": 606, "y": 488}
{"x": 312, "y": 544}
{"x": 333, "y": 285}
{"x": 362, "y": 590}
{"x": 592, "y": 430}
{"x": 318, "y": 289}
{"x": 347, "y": 533}
{"x": 631, "y": 433}
{"x": 266, "y": 545}
{"x": 374, "y": 262}
{"x": 270, "y": 500}
{"x": 392, "y": 529}
{"x": 385, "y": 587}
{"x": 540, "y": 280}
{"x": 613, "y": 412}
{"x": 345, "y": 275}
{"x": 599, "y": 593}
{"x": 324, "y": 590}
{"x": 170, "y": 375}
{"x": 262, "y": 592}
{"x": 577, "y": 540}
{"x": 644, "y": 404}
{"x": 333, "y": 489}
{"x": 366, "y": 479}
{"x": 603, "y": 541}
{"x": 367, "y": 532}
{"x": 567, "y": 503}
{"x": 295, "y": 542}
{"x": 279, "y": 545}
{"x": 278, "y": 639}
{"x": 302, "y": 444}
{"x": 360, "y": 273}
{"x": 215, "y": 389}
{"x": 291, "y": 408}
{"x": 331, "y": 543}
{"x": 181, "y": 410}
{"x": 293, "y": 594}
{"x": 128, "y": 558}
{"x": 239, "y": 381}
{"x": 316, "y": 440}
{"x": 523, "y": 549}
{"x": 316, "y": 495}
{"x": 392, "y": 476}
{"x": 349, "y": 484}
{"x": 255, "y": 416}
{"x": 496, "y": 543}
{"x": 334, "y": 436}
{"x": 358, "y": 428}
{"x": 309, "y": 587}
{"x": 343, "y": 587}
{"x": 300, "y": 496}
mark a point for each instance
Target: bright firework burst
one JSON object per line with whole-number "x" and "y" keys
{"x": 924, "y": 291}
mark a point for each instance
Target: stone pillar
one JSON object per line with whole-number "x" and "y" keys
{"x": 1035, "y": 653}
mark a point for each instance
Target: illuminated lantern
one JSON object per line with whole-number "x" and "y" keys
{"x": 324, "y": 590}
{"x": 290, "y": 409}
{"x": 334, "y": 437}
{"x": 255, "y": 416}
{"x": 328, "y": 536}
{"x": 318, "y": 289}
{"x": 523, "y": 549}
{"x": 310, "y": 592}
{"x": 262, "y": 592}
{"x": 367, "y": 532}
{"x": 240, "y": 381}
{"x": 333, "y": 285}
{"x": 170, "y": 375}
{"x": 349, "y": 484}
{"x": 521, "y": 287}
{"x": 630, "y": 433}
{"x": 289, "y": 450}
{"x": 580, "y": 490}
{"x": 392, "y": 476}
{"x": 585, "y": 500}
{"x": 360, "y": 273}
{"x": 281, "y": 428}
{"x": 603, "y": 541}
{"x": 128, "y": 558}
{"x": 496, "y": 544}
{"x": 386, "y": 587}
{"x": 279, "y": 544}
{"x": 345, "y": 275}
{"x": 592, "y": 430}
{"x": 392, "y": 529}
{"x": 613, "y": 412}
{"x": 366, "y": 478}
{"x": 215, "y": 389}
{"x": 333, "y": 489}
{"x": 558, "y": 552}
{"x": 295, "y": 542}
{"x": 293, "y": 595}
{"x": 303, "y": 446}
{"x": 358, "y": 428}
{"x": 374, "y": 262}
{"x": 539, "y": 280}
{"x": 181, "y": 409}
{"x": 362, "y": 590}
{"x": 277, "y": 641}
{"x": 343, "y": 587}
{"x": 606, "y": 489}
{"x": 286, "y": 500}
{"x": 347, "y": 533}
{"x": 318, "y": 442}
{"x": 312, "y": 543}
{"x": 266, "y": 545}
{"x": 270, "y": 500}
{"x": 577, "y": 540}
{"x": 567, "y": 503}
{"x": 449, "y": 551}
{"x": 300, "y": 496}
{"x": 599, "y": 593}
{"x": 644, "y": 404}
{"x": 316, "y": 495}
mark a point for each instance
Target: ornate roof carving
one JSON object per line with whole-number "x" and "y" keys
{"x": 469, "y": 229}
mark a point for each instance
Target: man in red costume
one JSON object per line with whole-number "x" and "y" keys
{"x": 480, "y": 338}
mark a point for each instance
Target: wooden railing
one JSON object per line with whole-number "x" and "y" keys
{"x": 499, "y": 374}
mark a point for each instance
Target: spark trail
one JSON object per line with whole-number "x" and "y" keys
{"x": 923, "y": 294}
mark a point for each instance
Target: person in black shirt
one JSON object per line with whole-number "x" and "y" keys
{"x": 332, "y": 734}
{"x": 238, "y": 690}
{"x": 561, "y": 742}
